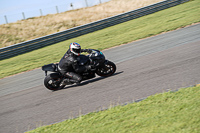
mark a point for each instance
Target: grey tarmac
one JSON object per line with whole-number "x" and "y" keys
{"x": 153, "y": 65}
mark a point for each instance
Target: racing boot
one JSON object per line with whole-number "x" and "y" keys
{"x": 65, "y": 82}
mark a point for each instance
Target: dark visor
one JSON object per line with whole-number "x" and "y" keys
{"x": 77, "y": 50}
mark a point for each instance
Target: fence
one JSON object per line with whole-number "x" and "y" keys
{"x": 51, "y": 9}
{"x": 31, "y": 45}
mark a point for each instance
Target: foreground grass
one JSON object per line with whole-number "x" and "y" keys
{"x": 172, "y": 112}
{"x": 146, "y": 26}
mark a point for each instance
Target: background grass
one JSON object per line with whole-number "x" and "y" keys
{"x": 31, "y": 28}
{"x": 166, "y": 20}
{"x": 171, "y": 112}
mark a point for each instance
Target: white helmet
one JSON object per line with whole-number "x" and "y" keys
{"x": 75, "y": 48}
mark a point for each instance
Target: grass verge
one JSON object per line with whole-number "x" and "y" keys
{"x": 171, "y": 112}
{"x": 166, "y": 20}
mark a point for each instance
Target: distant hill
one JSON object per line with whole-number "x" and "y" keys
{"x": 35, "y": 27}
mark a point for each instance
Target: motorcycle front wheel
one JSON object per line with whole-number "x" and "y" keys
{"x": 52, "y": 82}
{"x": 108, "y": 69}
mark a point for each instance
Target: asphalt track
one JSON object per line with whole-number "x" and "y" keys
{"x": 154, "y": 65}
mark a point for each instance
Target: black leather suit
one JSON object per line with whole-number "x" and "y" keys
{"x": 69, "y": 67}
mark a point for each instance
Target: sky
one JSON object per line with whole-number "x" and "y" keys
{"x": 18, "y": 9}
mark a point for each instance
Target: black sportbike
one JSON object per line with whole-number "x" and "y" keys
{"x": 102, "y": 68}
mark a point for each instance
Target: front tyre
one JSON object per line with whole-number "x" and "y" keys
{"x": 52, "y": 82}
{"x": 108, "y": 69}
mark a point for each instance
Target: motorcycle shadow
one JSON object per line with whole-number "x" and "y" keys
{"x": 91, "y": 81}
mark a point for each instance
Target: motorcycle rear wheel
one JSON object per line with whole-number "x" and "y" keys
{"x": 108, "y": 69}
{"x": 52, "y": 82}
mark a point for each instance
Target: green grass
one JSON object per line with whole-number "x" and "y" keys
{"x": 170, "y": 112}
{"x": 166, "y": 20}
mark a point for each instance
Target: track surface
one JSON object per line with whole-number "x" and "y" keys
{"x": 165, "y": 62}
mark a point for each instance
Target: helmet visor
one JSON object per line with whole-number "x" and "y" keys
{"x": 77, "y": 50}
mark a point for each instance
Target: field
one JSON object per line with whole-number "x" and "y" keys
{"x": 163, "y": 21}
{"x": 32, "y": 28}
{"x": 171, "y": 112}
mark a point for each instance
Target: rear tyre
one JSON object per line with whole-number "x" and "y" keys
{"x": 52, "y": 82}
{"x": 108, "y": 69}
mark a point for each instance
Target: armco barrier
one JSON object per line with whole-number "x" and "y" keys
{"x": 31, "y": 45}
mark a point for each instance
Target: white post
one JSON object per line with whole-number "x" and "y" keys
{"x": 41, "y": 12}
{"x": 6, "y": 19}
{"x": 23, "y": 15}
{"x": 86, "y": 3}
{"x": 57, "y": 9}
{"x": 72, "y": 6}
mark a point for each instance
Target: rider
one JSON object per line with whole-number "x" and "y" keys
{"x": 68, "y": 65}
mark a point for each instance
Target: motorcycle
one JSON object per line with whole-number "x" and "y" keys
{"x": 102, "y": 67}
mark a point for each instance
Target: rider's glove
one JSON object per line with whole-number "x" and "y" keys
{"x": 86, "y": 50}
